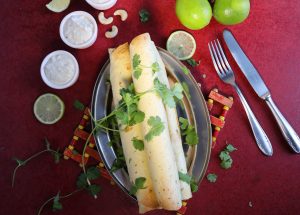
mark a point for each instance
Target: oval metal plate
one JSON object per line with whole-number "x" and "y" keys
{"x": 194, "y": 109}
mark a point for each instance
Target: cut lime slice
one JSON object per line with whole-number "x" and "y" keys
{"x": 48, "y": 108}
{"x": 181, "y": 44}
{"x": 58, "y": 5}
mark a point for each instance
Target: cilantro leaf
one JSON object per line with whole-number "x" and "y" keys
{"x": 137, "y": 72}
{"x": 194, "y": 186}
{"x": 212, "y": 178}
{"x": 155, "y": 67}
{"x": 136, "y": 61}
{"x": 192, "y": 62}
{"x": 186, "y": 89}
{"x": 185, "y": 70}
{"x": 92, "y": 173}
{"x": 226, "y": 164}
{"x": 138, "y": 144}
{"x": 78, "y": 105}
{"x": 189, "y": 132}
{"x": 56, "y": 156}
{"x": 144, "y": 15}
{"x": 184, "y": 177}
{"x": 81, "y": 181}
{"x": 56, "y": 204}
{"x": 118, "y": 163}
{"x": 138, "y": 184}
{"x": 177, "y": 90}
{"x": 230, "y": 148}
{"x": 156, "y": 129}
{"x": 224, "y": 155}
{"x": 94, "y": 189}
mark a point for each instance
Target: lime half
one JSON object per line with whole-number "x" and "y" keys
{"x": 181, "y": 44}
{"x": 58, "y": 5}
{"x": 48, "y": 108}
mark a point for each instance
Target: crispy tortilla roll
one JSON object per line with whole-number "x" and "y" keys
{"x": 159, "y": 149}
{"x": 137, "y": 163}
{"x": 174, "y": 129}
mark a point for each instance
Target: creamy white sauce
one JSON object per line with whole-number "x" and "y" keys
{"x": 60, "y": 69}
{"x": 78, "y": 29}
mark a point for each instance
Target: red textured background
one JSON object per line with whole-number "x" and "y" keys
{"x": 270, "y": 36}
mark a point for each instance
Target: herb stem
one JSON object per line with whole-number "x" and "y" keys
{"x": 61, "y": 197}
{"x": 27, "y": 160}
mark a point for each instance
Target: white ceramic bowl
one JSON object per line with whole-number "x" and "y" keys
{"x": 102, "y": 5}
{"x": 68, "y": 83}
{"x": 87, "y": 43}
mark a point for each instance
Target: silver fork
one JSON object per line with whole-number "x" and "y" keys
{"x": 226, "y": 74}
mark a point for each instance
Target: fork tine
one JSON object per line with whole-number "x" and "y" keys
{"x": 220, "y": 68}
{"x": 222, "y": 64}
{"x": 223, "y": 55}
{"x": 210, "y": 47}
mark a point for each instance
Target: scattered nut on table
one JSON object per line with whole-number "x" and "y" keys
{"x": 122, "y": 13}
{"x": 103, "y": 20}
{"x": 112, "y": 33}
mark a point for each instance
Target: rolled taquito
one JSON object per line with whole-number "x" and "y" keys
{"x": 136, "y": 161}
{"x": 174, "y": 129}
{"x": 161, "y": 159}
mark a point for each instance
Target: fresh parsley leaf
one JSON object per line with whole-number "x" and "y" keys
{"x": 185, "y": 177}
{"x": 92, "y": 173}
{"x": 192, "y": 62}
{"x": 185, "y": 70}
{"x": 78, "y": 105}
{"x": 186, "y": 89}
{"x": 230, "y": 148}
{"x": 56, "y": 204}
{"x": 189, "y": 132}
{"x": 156, "y": 129}
{"x": 194, "y": 186}
{"x": 144, "y": 15}
{"x": 94, "y": 189}
{"x": 138, "y": 144}
{"x": 138, "y": 184}
{"x": 155, "y": 67}
{"x": 212, "y": 178}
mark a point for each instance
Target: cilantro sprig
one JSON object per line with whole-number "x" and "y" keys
{"x": 144, "y": 15}
{"x": 138, "y": 144}
{"x": 192, "y": 62}
{"x": 189, "y": 132}
{"x": 168, "y": 95}
{"x": 138, "y": 67}
{"x": 20, "y": 163}
{"x": 211, "y": 177}
{"x": 226, "y": 160}
{"x": 189, "y": 180}
{"x": 156, "y": 127}
{"x": 139, "y": 183}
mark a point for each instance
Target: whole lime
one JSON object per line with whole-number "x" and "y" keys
{"x": 193, "y": 14}
{"x": 231, "y": 12}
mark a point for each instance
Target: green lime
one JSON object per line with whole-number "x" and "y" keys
{"x": 181, "y": 44}
{"x": 48, "y": 108}
{"x": 58, "y": 5}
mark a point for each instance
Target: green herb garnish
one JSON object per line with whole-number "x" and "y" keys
{"x": 138, "y": 144}
{"x": 189, "y": 132}
{"x": 56, "y": 204}
{"x": 226, "y": 160}
{"x": 157, "y": 127}
{"x": 188, "y": 179}
{"x": 186, "y": 89}
{"x": 78, "y": 105}
{"x": 138, "y": 184}
{"x": 185, "y": 70}
{"x": 212, "y": 178}
{"x": 144, "y": 15}
{"x": 192, "y": 62}
{"x": 155, "y": 67}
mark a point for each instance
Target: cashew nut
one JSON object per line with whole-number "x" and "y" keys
{"x": 112, "y": 33}
{"x": 103, "y": 20}
{"x": 122, "y": 13}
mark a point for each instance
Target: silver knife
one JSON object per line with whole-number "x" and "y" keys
{"x": 261, "y": 89}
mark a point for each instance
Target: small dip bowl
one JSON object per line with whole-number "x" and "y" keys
{"x": 59, "y": 69}
{"x": 101, "y": 4}
{"x": 69, "y": 30}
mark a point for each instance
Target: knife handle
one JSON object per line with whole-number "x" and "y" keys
{"x": 288, "y": 132}
{"x": 261, "y": 138}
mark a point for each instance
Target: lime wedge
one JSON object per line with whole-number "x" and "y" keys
{"x": 181, "y": 44}
{"x": 58, "y": 5}
{"x": 48, "y": 108}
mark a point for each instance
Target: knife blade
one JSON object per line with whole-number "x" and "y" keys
{"x": 261, "y": 89}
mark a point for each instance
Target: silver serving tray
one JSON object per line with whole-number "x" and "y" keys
{"x": 194, "y": 109}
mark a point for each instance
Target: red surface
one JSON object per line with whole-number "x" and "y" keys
{"x": 270, "y": 37}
